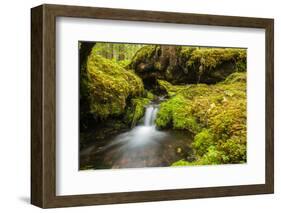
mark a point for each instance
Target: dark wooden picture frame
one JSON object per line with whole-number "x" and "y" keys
{"x": 43, "y": 105}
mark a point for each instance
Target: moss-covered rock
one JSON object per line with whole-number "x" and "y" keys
{"x": 135, "y": 110}
{"x": 144, "y": 64}
{"x": 176, "y": 113}
{"x": 168, "y": 88}
{"x": 211, "y": 65}
{"x": 216, "y": 114}
{"x": 236, "y": 77}
{"x": 144, "y": 56}
{"x": 109, "y": 86}
{"x": 113, "y": 99}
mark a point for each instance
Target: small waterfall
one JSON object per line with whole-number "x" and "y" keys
{"x": 150, "y": 115}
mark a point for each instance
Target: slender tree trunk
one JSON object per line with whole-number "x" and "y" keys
{"x": 111, "y": 51}
{"x": 121, "y": 52}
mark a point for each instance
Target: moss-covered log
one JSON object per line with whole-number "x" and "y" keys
{"x": 182, "y": 65}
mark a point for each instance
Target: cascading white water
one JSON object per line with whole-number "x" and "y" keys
{"x": 141, "y": 134}
{"x": 150, "y": 115}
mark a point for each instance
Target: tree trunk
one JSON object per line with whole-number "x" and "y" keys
{"x": 84, "y": 51}
{"x": 121, "y": 56}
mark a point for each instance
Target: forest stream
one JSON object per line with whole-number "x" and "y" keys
{"x": 142, "y": 146}
{"x": 151, "y": 105}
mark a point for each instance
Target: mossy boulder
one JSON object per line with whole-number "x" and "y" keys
{"x": 184, "y": 65}
{"x": 176, "y": 113}
{"x": 113, "y": 100}
{"x": 109, "y": 86}
{"x": 145, "y": 65}
{"x": 215, "y": 114}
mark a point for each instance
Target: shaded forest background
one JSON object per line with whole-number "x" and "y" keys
{"x": 205, "y": 91}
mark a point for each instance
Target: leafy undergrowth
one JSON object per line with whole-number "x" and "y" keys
{"x": 109, "y": 86}
{"x": 215, "y": 114}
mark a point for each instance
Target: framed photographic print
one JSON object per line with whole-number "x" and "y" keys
{"x": 136, "y": 106}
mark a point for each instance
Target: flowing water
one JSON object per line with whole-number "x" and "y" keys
{"x": 142, "y": 146}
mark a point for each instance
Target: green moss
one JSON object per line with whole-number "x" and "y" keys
{"x": 184, "y": 119}
{"x": 108, "y": 86}
{"x": 166, "y": 114}
{"x": 149, "y": 95}
{"x": 181, "y": 163}
{"x": 123, "y": 63}
{"x": 236, "y": 77}
{"x": 144, "y": 55}
{"x": 164, "y": 85}
{"x": 207, "y": 59}
{"x": 182, "y": 65}
{"x": 216, "y": 114}
{"x": 212, "y": 157}
{"x": 169, "y": 88}
{"x": 186, "y": 52}
{"x": 164, "y": 118}
{"x": 235, "y": 149}
{"x": 135, "y": 110}
{"x": 241, "y": 61}
{"x": 202, "y": 141}
{"x": 176, "y": 113}
{"x": 136, "y": 107}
